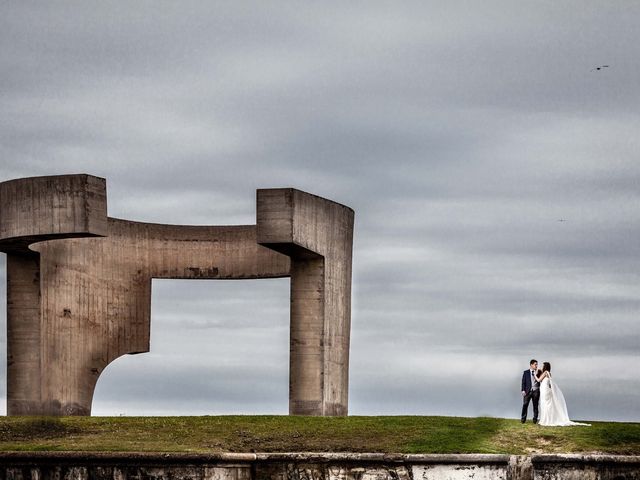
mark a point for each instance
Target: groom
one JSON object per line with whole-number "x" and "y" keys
{"x": 530, "y": 391}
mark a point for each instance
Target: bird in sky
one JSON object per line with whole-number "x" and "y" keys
{"x": 599, "y": 68}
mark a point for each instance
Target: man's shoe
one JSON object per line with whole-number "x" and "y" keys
{"x": 535, "y": 420}
{"x": 522, "y": 421}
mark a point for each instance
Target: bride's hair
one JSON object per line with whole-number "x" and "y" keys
{"x": 546, "y": 367}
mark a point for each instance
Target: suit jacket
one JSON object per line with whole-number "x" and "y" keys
{"x": 526, "y": 381}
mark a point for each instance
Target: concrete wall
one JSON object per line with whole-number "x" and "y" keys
{"x": 325, "y": 466}
{"x": 320, "y": 252}
{"x": 79, "y": 287}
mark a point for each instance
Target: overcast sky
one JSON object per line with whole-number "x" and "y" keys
{"x": 494, "y": 174}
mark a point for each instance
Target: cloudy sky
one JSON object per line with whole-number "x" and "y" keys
{"x": 493, "y": 172}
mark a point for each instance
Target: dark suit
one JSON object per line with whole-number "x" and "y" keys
{"x": 532, "y": 392}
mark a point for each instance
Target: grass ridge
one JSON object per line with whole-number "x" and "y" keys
{"x": 271, "y": 433}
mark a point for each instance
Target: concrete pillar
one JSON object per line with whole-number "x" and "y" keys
{"x": 317, "y": 234}
{"x": 306, "y": 349}
{"x": 33, "y": 210}
{"x": 23, "y": 334}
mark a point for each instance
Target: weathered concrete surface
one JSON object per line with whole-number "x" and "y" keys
{"x": 311, "y": 466}
{"x": 320, "y": 252}
{"x": 586, "y": 467}
{"x": 79, "y": 287}
{"x": 42, "y": 208}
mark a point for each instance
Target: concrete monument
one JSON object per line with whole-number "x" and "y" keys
{"x": 79, "y": 286}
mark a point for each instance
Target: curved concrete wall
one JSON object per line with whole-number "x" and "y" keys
{"x": 79, "y": 287}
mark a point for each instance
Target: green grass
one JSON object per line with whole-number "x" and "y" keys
{"x": 397, "y": 434}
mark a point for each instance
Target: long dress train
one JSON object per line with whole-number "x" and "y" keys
{"x": 553, "y": 408}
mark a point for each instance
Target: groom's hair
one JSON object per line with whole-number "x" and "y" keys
{"x": 533, "y": 360}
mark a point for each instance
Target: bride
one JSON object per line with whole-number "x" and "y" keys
{"x": 553, "y": 408}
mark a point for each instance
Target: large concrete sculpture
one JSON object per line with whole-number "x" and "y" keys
{"x": 79, "y": 287}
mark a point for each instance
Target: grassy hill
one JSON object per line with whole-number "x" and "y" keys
{"x": 396, "y": 434}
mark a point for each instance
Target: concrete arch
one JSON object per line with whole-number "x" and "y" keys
{"x": 79, "y": 284}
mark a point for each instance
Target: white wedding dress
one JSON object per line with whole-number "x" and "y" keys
{"x": 553, "y": 408}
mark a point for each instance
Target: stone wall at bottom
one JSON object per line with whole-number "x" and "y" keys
{"x": 585, "y": 467}
{"x": 312, "y": 466}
